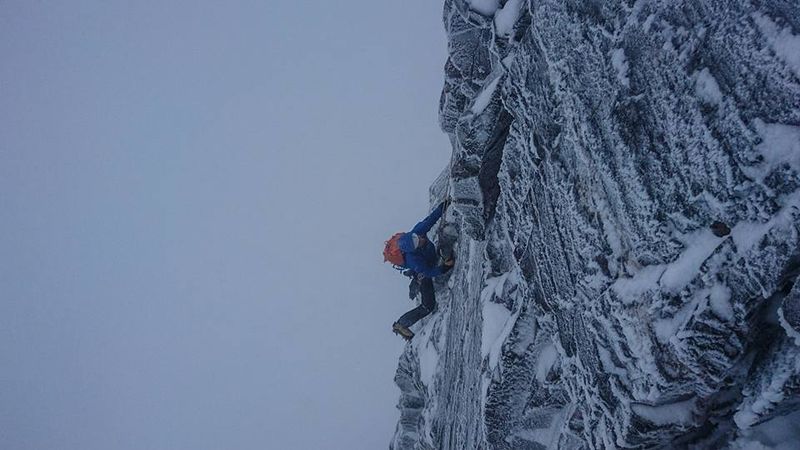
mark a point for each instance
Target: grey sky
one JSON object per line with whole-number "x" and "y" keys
{"x": 195, "y": 196}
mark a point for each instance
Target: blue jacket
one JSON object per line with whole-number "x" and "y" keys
{"x": 422, "y": 260}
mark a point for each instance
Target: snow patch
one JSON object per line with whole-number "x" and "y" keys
{"x": 747, "y": 234}
{"x": 681, "y": 413}
{"x": 751, "y": 411}
{"x": 780, "y": 433}
{"x": 483, "y": 99}
{"x": 507, "y": 17}
{"x": 720, "y": 302}
{"x": 629, "y": 290}
{"x": 620, "y": 63}
{"x": 484, "y": 7}
{"x": 494, "y": 287}
{"x": 608, "y": 363}
{"x": 494, "y": 331}
{"x": 497, "y": 319}
{"x": 780, "y": 144}
{"x": 699, "y": 245}
{"x": 672, "y": 277}
{"x": 547, "y": 357}
{"x": 785, "y": 44}
{"x": 666, "y": 329}
{"x": 707, "y": 88}
{"x": 428, "y": 360}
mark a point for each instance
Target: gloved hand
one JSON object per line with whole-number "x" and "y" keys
{"x": 448, "y": 265}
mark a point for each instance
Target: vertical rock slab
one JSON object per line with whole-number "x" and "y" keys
{"x": 626, "y": 181}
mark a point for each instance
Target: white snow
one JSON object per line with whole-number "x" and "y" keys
{"x": 771, "y": 392}
{"x": 629, "y": 290}
{"x": 666, "y": 328}
{"x": 707, "y": 88}
{"x": 780, "y": 433}
{"x": 680, "y": 413}
{"x": 620, "y": 63}
{"x": 547, "y": 357}
{"x": 425, "y": 346}
{"x": 698, "y": 246}
{"x": 672, "y": 277}
{"x": 717, "y": 298}
{"x": 750, "y": 411}
{"x": 747, "y": 234}
{"x": 428, "y": 360}
{"x": 483, "y": 99}
{"x": 498, "y": 321}
{"x": 608, "y": 363}
{"x": 493, "y": 287}
{"x": 507, "y": 17}
{"x": 785, "y": 44}
{"x": 641, "y": 352}
{"x": 484, "y": 7}
{"x": 780, "y": 145}
{"x": 720, "y": 301}
{"x": 495, "y": 316}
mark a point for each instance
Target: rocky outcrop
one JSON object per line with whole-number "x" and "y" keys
{"x": 625, "y": 179}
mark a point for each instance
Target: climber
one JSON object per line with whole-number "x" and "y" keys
{"x": 416, "y": 253}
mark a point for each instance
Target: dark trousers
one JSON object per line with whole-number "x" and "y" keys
{"x": 428, "y": 305}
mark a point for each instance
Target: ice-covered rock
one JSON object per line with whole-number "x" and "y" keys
{"x": 626, "y": 185}
{"x": 789, "y": 313}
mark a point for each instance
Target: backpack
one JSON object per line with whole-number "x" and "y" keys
{"x": 392, "y": 252}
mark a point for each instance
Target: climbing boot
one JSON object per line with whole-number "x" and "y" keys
{"x": 403, "y": 331}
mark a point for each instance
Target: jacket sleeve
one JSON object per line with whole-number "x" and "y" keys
{"x": 419, "y": 266}
{"x": 427, "y": 223}
{"x": 431, "y": 272}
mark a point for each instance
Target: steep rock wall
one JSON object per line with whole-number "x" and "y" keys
{"x": 625, "y": 184}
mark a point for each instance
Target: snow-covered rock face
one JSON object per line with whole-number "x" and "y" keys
{"x": 625, "y": 182}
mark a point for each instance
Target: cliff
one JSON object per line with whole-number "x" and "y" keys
{"x": 626, "y": 188}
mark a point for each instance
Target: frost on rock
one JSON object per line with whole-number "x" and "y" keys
{"x": 789, "y": 314}
{"x": 593, "y": 304}
{"x": 620, "y": 64}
